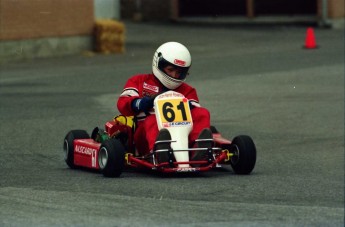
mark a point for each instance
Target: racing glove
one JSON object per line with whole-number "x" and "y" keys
{"x": 191, "y": 106}
{"x": 144, "y": 104}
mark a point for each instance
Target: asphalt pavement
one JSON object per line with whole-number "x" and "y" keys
{"x": 255, "y": 80}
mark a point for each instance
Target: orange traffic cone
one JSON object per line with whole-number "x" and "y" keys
{"x": 310, "y": 42}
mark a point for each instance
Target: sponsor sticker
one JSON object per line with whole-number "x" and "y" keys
{"x": 179, "y": 62}
{"x": 171, "y": 95}
{"x": 84, "y": 150}
{"x": 186, "y": 169}
{"x": 176, "y": 124}
{"x": 151, "y": 87}
{"x": 166, "y": 125}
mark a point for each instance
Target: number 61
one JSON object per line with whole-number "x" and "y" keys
{"x": 169, "y": 111}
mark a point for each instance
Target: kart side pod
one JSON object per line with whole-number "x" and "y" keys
{"x": 86, "y": 153}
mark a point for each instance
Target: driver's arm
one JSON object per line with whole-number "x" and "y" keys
{"x": 128, "y": 95}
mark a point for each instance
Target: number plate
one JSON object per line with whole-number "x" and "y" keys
{"x": 174, "y": 112}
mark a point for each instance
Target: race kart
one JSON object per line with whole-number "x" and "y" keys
{"x": 112, "y": 150}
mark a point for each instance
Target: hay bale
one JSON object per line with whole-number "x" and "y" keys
{"x": 109, "y": 36}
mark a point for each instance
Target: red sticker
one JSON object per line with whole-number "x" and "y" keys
{"x": 179, "y": 62}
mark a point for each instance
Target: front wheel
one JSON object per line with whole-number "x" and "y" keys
{"x": 111, "y": 158}
{"x": 244, "y": 154}
{"x": 68, "y": 145}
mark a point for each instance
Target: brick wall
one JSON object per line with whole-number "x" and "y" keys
{"x": 27, "y": 19}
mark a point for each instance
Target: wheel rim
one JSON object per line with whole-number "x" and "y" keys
{"x": 103, "y": 158}
{"x": 65, "y": 149}
{"x": 236, "y": 154}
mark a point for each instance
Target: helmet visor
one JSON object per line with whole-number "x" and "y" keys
{"x": 173, "y": 71}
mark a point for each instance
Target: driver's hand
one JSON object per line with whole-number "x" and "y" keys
{"x": 142, "y": 105}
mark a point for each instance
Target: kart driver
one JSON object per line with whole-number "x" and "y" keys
{"x": 170, "y": 66}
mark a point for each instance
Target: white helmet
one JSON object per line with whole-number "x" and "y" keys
{"x": 175, "y": 54}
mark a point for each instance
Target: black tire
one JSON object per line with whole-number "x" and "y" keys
{"x": 111, "y": 158}
{"x": 68, "y": 145}
{"x": 244, "y": 151}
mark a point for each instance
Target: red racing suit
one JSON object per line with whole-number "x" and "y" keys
{"x": 145, "y": 135}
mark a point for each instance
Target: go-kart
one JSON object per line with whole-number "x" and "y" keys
{"x": 112, "y": 150}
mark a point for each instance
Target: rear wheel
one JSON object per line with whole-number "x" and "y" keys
{"x": 111, "y": 158}
{"x": 244, "y": 154}
{"x": 68, "y": 146}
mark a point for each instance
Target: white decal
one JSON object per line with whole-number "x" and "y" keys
{"x": 151, "y": 87}
{"x": 186, "y": 169}
{"x": 93, "y": 161}
{"x": 84, "y": 150}
{"x": 130, "y": 93}
{"x": 174, "y": 124}
{"x": 170, "y": 95}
